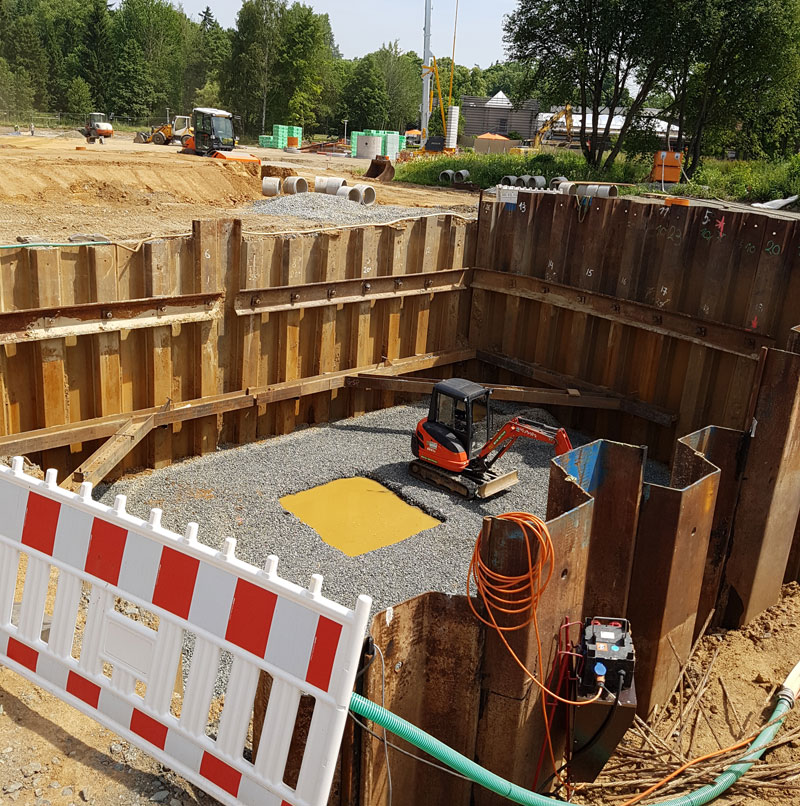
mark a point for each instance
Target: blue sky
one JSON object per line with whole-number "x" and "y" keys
{"x": 361, "y": 26}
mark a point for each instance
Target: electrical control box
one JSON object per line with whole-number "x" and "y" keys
{"x": 607, "y": 651}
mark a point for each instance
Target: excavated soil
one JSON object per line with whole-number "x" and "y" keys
{"x": 55, "y": 185}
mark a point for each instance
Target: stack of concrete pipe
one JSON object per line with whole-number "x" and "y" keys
{"x": 590, "y": 191}
{"x": 360, "y": 194}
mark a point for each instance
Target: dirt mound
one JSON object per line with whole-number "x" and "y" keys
{"x": 95, "y": 179}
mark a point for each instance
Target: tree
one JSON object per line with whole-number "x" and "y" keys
{"x": 98, "y": 47}
{"x": 247, "y": 81}
{"x": 364, "y": 99}
{"x": 402, "y": 81}
{"x": 208, "y": 95}
{"x": 132, "y": 86}
{"x": 79, "y": 97}
{"x": 26, "y": 51}
{"x": 599, "y": 48}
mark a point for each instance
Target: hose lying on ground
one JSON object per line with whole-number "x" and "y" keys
{"x": 787, "y": 695}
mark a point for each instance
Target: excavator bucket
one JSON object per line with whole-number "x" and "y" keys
{"x": 497, "y": 485}
{"x": 380, "y": 168}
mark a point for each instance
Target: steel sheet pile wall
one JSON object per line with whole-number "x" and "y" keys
{"x": 218, "y": 337}
{"x": 666, "y": 305}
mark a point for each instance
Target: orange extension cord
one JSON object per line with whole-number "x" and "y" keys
{"x": 518, "y": 597}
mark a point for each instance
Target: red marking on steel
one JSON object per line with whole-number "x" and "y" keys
{"x": 83, "y": 689}
{"x": 23, "y": 655}
{"x": 41, "y": 520}
{"x": 220, "y": 773}
{"x": 175, "y": 582}
{"x": 251, "y": 617}
{"x": 320, "y": 664}
{"x": 754, "y": 323}
{"x": 149, "y": 728}
{"x": 106, "y": 547}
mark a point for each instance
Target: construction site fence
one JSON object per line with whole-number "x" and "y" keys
{"x": 70, "y": 120}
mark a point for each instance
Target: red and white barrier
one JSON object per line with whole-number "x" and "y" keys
{"x": 307, "y": 643}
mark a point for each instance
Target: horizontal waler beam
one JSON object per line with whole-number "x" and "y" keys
{"x": 536, "y": 372}
{"x": 57, "y": 436}
{"x": 718, "y": 336}
{"x": 37, "y": 324}
{"x": 516, "y": 394}
{"x": 339, "y": 292}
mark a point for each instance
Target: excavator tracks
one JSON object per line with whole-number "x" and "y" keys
{"x": 460, "y": 484}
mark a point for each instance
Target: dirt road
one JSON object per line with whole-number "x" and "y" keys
{"x": 57, "y": 185}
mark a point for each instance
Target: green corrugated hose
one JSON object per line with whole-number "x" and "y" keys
{"x": 461, "y": 764}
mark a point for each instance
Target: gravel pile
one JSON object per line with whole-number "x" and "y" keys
{"x": 320, "y": 208}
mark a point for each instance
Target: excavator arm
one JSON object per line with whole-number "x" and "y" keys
{"x": 520, "y": 427}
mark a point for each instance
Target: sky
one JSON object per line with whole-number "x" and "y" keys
{"x": 362, "y": 26}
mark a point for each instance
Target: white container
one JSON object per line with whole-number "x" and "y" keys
{"x": 333, "y": 183}
{"x": 451, "y": 140}
{"x": 369, "y": 146}
{"x": 351, "y": 194}
{"x": 319, "y": 184}
{"x": 392, "y": 145}
{"x": 367, "y": 194}
{"x": 295, "y": 184}
{"x": 271, "y": 186}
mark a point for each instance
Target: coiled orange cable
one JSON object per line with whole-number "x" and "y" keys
{"x": 519, "y": 596}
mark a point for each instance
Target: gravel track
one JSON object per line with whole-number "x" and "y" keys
{"x": 320, "y": 208}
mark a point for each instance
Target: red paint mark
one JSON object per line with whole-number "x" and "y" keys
{"x": 83, "y": 689}
{"x": 175, "y": 582}
{"x": 220, "y": 773}
{"x": 754, "y": 323}
{"x": 251, "y": 617}
{"x": 320, "y": 665}
{"x": 23, "y": 655}
{"x": 41, "y": 520}
{"x": 106, "y": 547}
{"x": 149, "y": 728}
{"x": 720, "y": 225}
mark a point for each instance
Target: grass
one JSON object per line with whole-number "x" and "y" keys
{"x": 731, "y": 180}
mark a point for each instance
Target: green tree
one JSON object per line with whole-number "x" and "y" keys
{"x": 208, "y": 95}
{"x": 98, "y": 51}
{"x": 364, "y": 99}
{"x": 248, "y": 79}
{"x": 402, "y": 81}
{"x": 25, "y": 51}
{"x": 132, "y": 85}
{"x": 599, "y": 48}
{"x": 79, "y": 97}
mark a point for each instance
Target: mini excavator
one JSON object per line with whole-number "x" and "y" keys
{"x": 454, "y": 447}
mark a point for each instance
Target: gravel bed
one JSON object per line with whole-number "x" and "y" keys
{"x": 320, "y": 208}
{"x": 234, "y": 492}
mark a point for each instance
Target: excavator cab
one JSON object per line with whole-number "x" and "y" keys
{"x": 459, "y": 414}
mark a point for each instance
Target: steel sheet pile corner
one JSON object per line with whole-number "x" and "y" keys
{"x": 307, "y": 643}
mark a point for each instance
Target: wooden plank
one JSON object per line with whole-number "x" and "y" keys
{"x": 207, "y": 264}
{"x": 361, "y": 313}
{"x": 159, "y": 283}
{"x": 736, "y": 340}
{"x": 52, "y": 384}
{"x": 110, "y": 453}
{"x": 289, "y": 333}
{"x": 536, "y": 372}
{"x": 250, "y": 337}
{"x": 108, "y": 373}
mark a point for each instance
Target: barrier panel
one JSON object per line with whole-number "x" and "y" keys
{"x": 104, "y": 564}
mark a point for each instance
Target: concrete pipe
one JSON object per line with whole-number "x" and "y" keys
{"x": 568, "y": 188}
{"x": 538, "y": 182}
{"x": 522, "y": 181}
{"x": 461, "y": 176}
{"x": 508, "y": 180}
{"x": 607, "y": 191}
{"x": 367, "y": 194}
{"x": 319, "y": 184}
{"x": 271, "y": 186}
{"x": 446, "y": 177}
{"x": 333, "y": 183}
{"x": 588, "y": 190}
{"x": 295, "y": 184}
{"x": 351, "y": 194}
{"x": 557, "y": 180}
